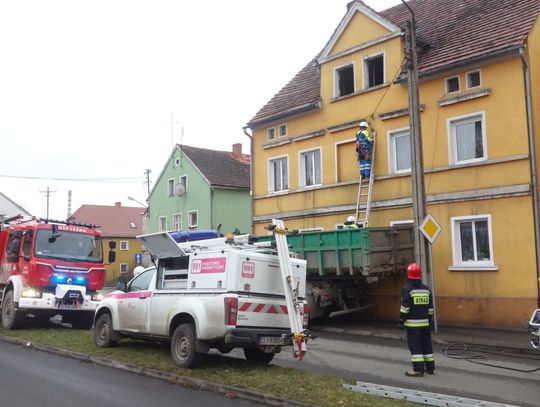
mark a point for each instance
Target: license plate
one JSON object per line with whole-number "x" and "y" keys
{"x": 69, "y": 306}
{"x": 271, "y": 340}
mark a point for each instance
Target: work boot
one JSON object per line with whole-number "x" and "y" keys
{"x": 414, "y": 373}
{"x": 430, "y": 372}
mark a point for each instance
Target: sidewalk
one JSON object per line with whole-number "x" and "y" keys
{"x": 512, "y": 340}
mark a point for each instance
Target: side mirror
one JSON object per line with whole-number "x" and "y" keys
{"x": 112, "y": 244}
{"x": 122, "y": 286}
{"x": 112, "y": 256}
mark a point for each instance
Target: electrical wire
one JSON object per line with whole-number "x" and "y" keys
{"x": 388, "y": 88}
{"x": 459, "y": 353}
{"x": 117, "y": 179}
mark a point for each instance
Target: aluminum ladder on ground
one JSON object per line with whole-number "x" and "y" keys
{"x": 290, "y": 287}
{"x": 365, "y": 189}
{"x": 422, "y": 397}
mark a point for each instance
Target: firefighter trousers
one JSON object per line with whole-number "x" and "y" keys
{"x": 419, "y": 341}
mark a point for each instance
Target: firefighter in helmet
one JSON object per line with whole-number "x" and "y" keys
{"x": 415, "y": 315}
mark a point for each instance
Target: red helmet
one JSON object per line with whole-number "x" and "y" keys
{"x": 414, "y": 272}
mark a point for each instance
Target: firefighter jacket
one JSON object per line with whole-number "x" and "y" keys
{"x": 416, "y": 305}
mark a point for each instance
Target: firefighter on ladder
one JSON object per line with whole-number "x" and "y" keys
{"x": 364, "y": 148}
{"x": 415, "y": 315}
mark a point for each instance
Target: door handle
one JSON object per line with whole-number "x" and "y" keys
{"x": 143, "y": 297}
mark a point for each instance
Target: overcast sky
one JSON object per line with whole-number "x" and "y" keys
{"x": 88, "y": 88}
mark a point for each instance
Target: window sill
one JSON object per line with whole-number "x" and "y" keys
{"x": 360, "y": 92}
{"x": 453, "y": 98}
{"x": 473, "y": 268}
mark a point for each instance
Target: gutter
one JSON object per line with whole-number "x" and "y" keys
{"x": 250, "y": 174}
{"x": 211, "y": 208}
{"x": 530, "y": 127}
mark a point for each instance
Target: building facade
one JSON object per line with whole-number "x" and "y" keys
{"x": 480, "y": 105}
{"x": 201, "y": 189}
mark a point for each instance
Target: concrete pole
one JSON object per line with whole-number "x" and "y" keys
{"x": 417, "y": 161}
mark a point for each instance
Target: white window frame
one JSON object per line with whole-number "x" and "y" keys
{"x": 302, "y": 169}
{"x": 467, "y": 75}
{"x": 184, "y": 182}
{"x": 271, "y": 181}
{"x": 124, "y": 268}
{"x": 452, "y": 122}
{"x": 392, "y": 156}
{"x": 271, "y": 133}
{"x": 124, "y": 245}
{"x": 283, "y": 126}
{"x": 177, "y": 222}
{"x": 446, "y": 84}
{"x": 365, "y": 62}
{"x": 336, "y": 79}
{"x": 162, "y": 225}
{"x": 457, "y": 255}
{"x": 190, "y": 214}
{"x": 170, "y": 187}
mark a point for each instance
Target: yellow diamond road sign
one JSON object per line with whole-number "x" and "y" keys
{"x": 430, "y": 228}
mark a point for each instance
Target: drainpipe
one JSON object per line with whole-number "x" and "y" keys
{"x": 250, "y": 171}
{"x": 530, "y": 127}
{"x": 212, "y": 208}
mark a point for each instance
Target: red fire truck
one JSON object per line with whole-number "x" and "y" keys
{"x": 50, "y": 268}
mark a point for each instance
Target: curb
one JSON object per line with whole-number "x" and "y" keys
{"x": 229, "y": 392}
{"x": 470, "y": 342}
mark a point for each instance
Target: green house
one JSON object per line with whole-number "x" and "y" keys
{"x": 200, "y": 189}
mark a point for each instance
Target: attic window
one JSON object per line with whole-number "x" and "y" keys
{"x": 133, "y": 225}
{"x": 374, "y": 71}
{"x": 344, "y": 81}
{"x": 271, "y": 133}
{"x": 473, "y": 79}
{"x": 452, "y": 84}
{"x": 282, "y": 130}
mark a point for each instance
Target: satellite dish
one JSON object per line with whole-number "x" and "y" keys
{"x": 179, "y": 189}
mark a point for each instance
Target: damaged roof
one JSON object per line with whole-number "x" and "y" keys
{"x": 451, "y": 32}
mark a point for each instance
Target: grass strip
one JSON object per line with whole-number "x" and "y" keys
{"x": 291, "y": 384}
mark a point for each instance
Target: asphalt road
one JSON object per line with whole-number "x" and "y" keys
{"x": 384, "y": 361}
{"x": 30, "y": 378}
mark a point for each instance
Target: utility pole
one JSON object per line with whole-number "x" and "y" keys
{"x": 147, "y": 172}
{"x": 417, "y": 161}
{"x": 47, "y": 193}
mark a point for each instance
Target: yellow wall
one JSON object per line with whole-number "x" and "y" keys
{"x": 112, "y": 271}
{"x": 506, "y": 294}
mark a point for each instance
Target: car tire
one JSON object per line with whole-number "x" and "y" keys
{"x": 82, "y": 320}
{"x": 104, "y": 334}
{"x": 258, "y": 356}
{"x": 10, "y": 317}
{"x": 183, "y": 346}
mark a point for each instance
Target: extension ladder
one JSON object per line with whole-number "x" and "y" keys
{"x": 421, "y": 397}
{"x": 290, "y": 285}
{"x": 365, "y": 189}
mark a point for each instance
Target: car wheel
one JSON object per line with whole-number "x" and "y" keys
{"x": 10, "y": 319}
{"x": 183, "y": 346}
{"x": 83, "y": 321}
{"x": 258, "y": 356}
{"x": 104, "y": 334}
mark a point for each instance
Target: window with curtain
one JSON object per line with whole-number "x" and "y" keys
{"x": 468, "y": 138}
{"x": 472, "y": 241}
{"x": 310, "y": 170}
{"x": 400, "y": 150}
{"x": 278, "y": 175}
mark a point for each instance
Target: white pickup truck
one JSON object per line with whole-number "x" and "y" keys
{"x": 212, "y": 293}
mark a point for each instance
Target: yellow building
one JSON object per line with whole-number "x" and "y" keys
{"x": 479, "y": 72}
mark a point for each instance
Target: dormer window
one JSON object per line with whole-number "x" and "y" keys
{"x": 344, "y": 80}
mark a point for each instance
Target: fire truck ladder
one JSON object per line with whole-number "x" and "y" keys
{"x": 290, "y": 285}
{"x": 365, "y": 189}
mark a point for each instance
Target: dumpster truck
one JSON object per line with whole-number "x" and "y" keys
{"x": 50, "y": 268}
{"x": 342, "y": 263}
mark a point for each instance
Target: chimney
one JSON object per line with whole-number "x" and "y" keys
{"x": 118, "y": 204}
{"x": 237, "y": 151}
